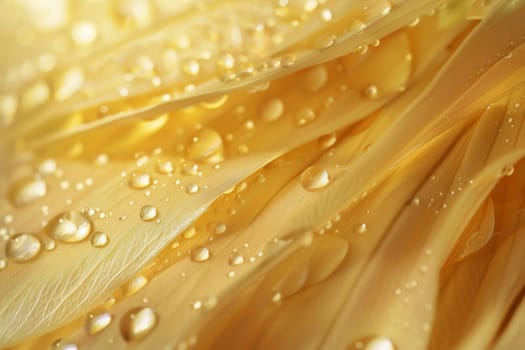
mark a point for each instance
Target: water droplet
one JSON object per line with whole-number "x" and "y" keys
{"x": 361, "y": 228}
{"x": 315, "y": 78}
{"x": 325, "y": 41}
{"x": 28, "y": 190}
{"x": 371, "y": 92}
{"x": 236, "y": 259}
{"x": 288, "y": 61}
{"x": 379, "y": 343}
{"x": 276, "y": 297}
{"x": 314, "y": 178}
{"x": 326, "y": 15}
{"x": 327, "y": 141}
{"x": 35, "y": 95}
{"x": 148, "y": 213}
{"x": 200, "y": 254}
{"x": 134, "y": 285}
{"x": 190, "y": 169}
{"x": 507, "y": 170}
{"x": 271, "y": 110}
{"x": 192, "y": 188}
{"x": 22, "y": 247}
{"x": 69, "y": 227}
{"x": 47, "y": 166}
{"x": 165, "y": 167}
{"x": 96, "y": 323}
{"x": 305, "y": 116}
{"x": 138, "y": 323}
{"x": 99, "y": 240}
{"x": 8, "y": 108}
{"x": 68, "y": 83}
{"x": 196, "y": 305}
{"x": 206, "y": 146}
{"x": 62, "y": 344}
{"x": 191, "y": 67}
{"x": 215, "y": 103}
{"x": 140, "y": 180}
{"x": 217, "y": 227}
{"x": 415, "y": 202}
{"x": 84, "y": 33}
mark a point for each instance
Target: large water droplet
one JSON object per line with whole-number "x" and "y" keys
{"x": 315, "y": 78}
{"x": 271, "y": 110}
{"x": 62, "y": 344}
{"x": 23, "y": 247}
{"x": 138, "y": 323}
{"x": 96, "y": 323}
{"x": 28, "y": 190}
{"x": 69, "y": 227}
{"x": 314, "y": 178}
{"x": 206, "y": 146}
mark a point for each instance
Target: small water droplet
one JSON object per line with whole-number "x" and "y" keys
{"x": 371, "y": 92}
{"x": 379, "y": 343}
{"x": 361, "y": 228}
{"x": 68, "y": 83}
{"x": 325, "y": 41}
{"x": 22, "y": 247}
{"x": 134, "y": 285}
{"x": 305, "y": 116}
{"x": 138, "y": 323}
{"x": 148, "y": 213}
{"x": 314, "y": 178}
{"x": 139, "y": 180}
{"x": 236, "y": 259}
{"x": 316, "y": 78}
{"x": 288, "y": 61}
{"x": 84, "y": 33}
{"x": 28, "y": 190}
{"x": 165, "y": 167}
{"x": 96, "y": 323}
{"x": 62, "y": 344}
{"x": 99, "y": 240}
{"x": 507, "y": 170}
{"x": 69, "y": 227}
{"x": 191, "y": 67}
{"x": 271, "y": 110}
{"x": 200, "y": 254}
{"x": 3, "y": 263}
{"x": 192, "y": 188}
{"x": 206, "y": 146}
{"x": 276, "y": 297}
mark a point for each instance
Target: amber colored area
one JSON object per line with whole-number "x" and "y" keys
{"x": 267, "y": 174}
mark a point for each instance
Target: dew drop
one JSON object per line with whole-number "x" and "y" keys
{"x": 28, "y": 190}
{"x": 327, "y": 141}
{"x": 271, "y": 110}
{"x": 134, "y": 285}
{"x": 96, "y": 323}
{"x": 22, "y": 247}
{"x": 192, "y": 188}
{"x": 206, "y": 146}
{"x": 47, "y": 166}
{"x": 148, "y": 213}
{"x": 138, "y": 323}
{"x": 379, "y": 343}
{"x": 305, "y": 116}
{"x": 84, "y": 33}
{"x": 3, "y": 263}
{"x": 288, "y": 61}
{"x": 507, "y": 170}
{"x": 236, "y": 259}
{"x": 371, "y": 92}
{"x": 165, "y": 167}
{"x": 314, "y": 178}
{"x": 200, "y": 254}
{"x": 325, "y": 41}
{"x": 69, "y": 227}
{"x": 99, "y": 240}
{"x": 140, "y": 180}
{"x": 190, "y": 169}
{"x": 8, "y": 108}
{"x": 62, "y": 344}
{"x": 68, "y": 83}
{"x": 315, "y": 78}
{"x": 191, "y": 67}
